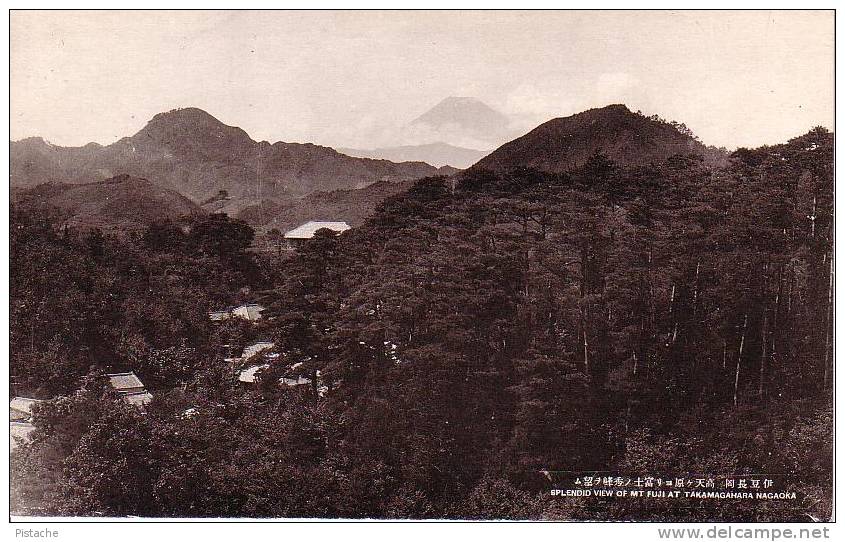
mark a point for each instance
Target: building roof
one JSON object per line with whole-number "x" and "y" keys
{"x": 307, "y": 230}
{"x": 23, "y": 404}
{"x": 248, "y": 375}
{"x": 218, "y": 315}
{"x": 249, "y": 306}
{"x": 124, "y": 381}
{"x": 139, "y": 398}
{"x": 19, "y": 431}
{"x": 253, "y": 349}
{"x": 250, "y": 311}
{"x": 298, "y": 381}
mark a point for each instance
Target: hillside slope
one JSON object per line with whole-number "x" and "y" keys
{"x": 122, "y": 202}
{"x": 627, "y": 138}
{"x": 351, "y": 206}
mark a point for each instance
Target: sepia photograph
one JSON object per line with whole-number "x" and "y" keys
{"x": 408, "y": 265}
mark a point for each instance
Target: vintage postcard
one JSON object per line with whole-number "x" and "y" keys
{"x": 562, "y": 266}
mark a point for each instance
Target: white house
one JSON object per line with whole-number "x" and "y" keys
{"x": 253, "y": 349}
{"x": 138, "y": 399}
{"x": 307, "y": 230}
{"x": 20, "y": 416}
{"x": 248, "y": 374}
{"x": 19, "y": 433}
{"x": 250, "y": 311}
{"x": 20, "y": 408}
{"x": 130, "y": 388}
{"x": 298, "y": 381}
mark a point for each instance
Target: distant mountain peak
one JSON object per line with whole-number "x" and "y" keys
{"x": 192, "y": 131}
{"x": 461, "y": 101}
{"x": 192, "y": 119}
{"x": 462, "y": 110}
{"x": 462, "y": 121}
{"x": 614, "y": 107}
{"x": 185, "y": 113}
{"x": 607, "y": 112}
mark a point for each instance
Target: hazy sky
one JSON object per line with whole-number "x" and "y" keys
{"x": 351, "y": 78}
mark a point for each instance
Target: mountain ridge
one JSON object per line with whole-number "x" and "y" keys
{"x": 437, "y": 154}
{"x": 190, "y": 151}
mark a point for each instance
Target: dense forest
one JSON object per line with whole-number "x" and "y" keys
{"x": 479, "y": 332}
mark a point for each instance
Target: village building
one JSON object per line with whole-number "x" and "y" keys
{"x": 20, "y": 420}
{"x": 20, "y": 409}
{"x": 306, "y": 231}
{"x": 248, "y": 375}
{"x": 124, "y": 383}
{"x": 138, "y": 399}
{"x": 130, "y": 388}
{"x": 251, "y": 312}
{"x": 19, "y": 433}
{"x": 217, "y": 316}
{"x": 256, "y": 348}
{"x": 298, "y": 381}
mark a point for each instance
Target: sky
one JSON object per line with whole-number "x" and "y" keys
{"x": 353, "y": 79}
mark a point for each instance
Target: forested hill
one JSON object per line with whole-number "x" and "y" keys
{"x": 120, "y": 204}
{"x": 629, "y": 139}
{"x": 193, "y": 153}
{"x": 501, "y": 324}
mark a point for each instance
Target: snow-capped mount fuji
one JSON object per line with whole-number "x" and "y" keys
{"x": 463, "y": 122}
